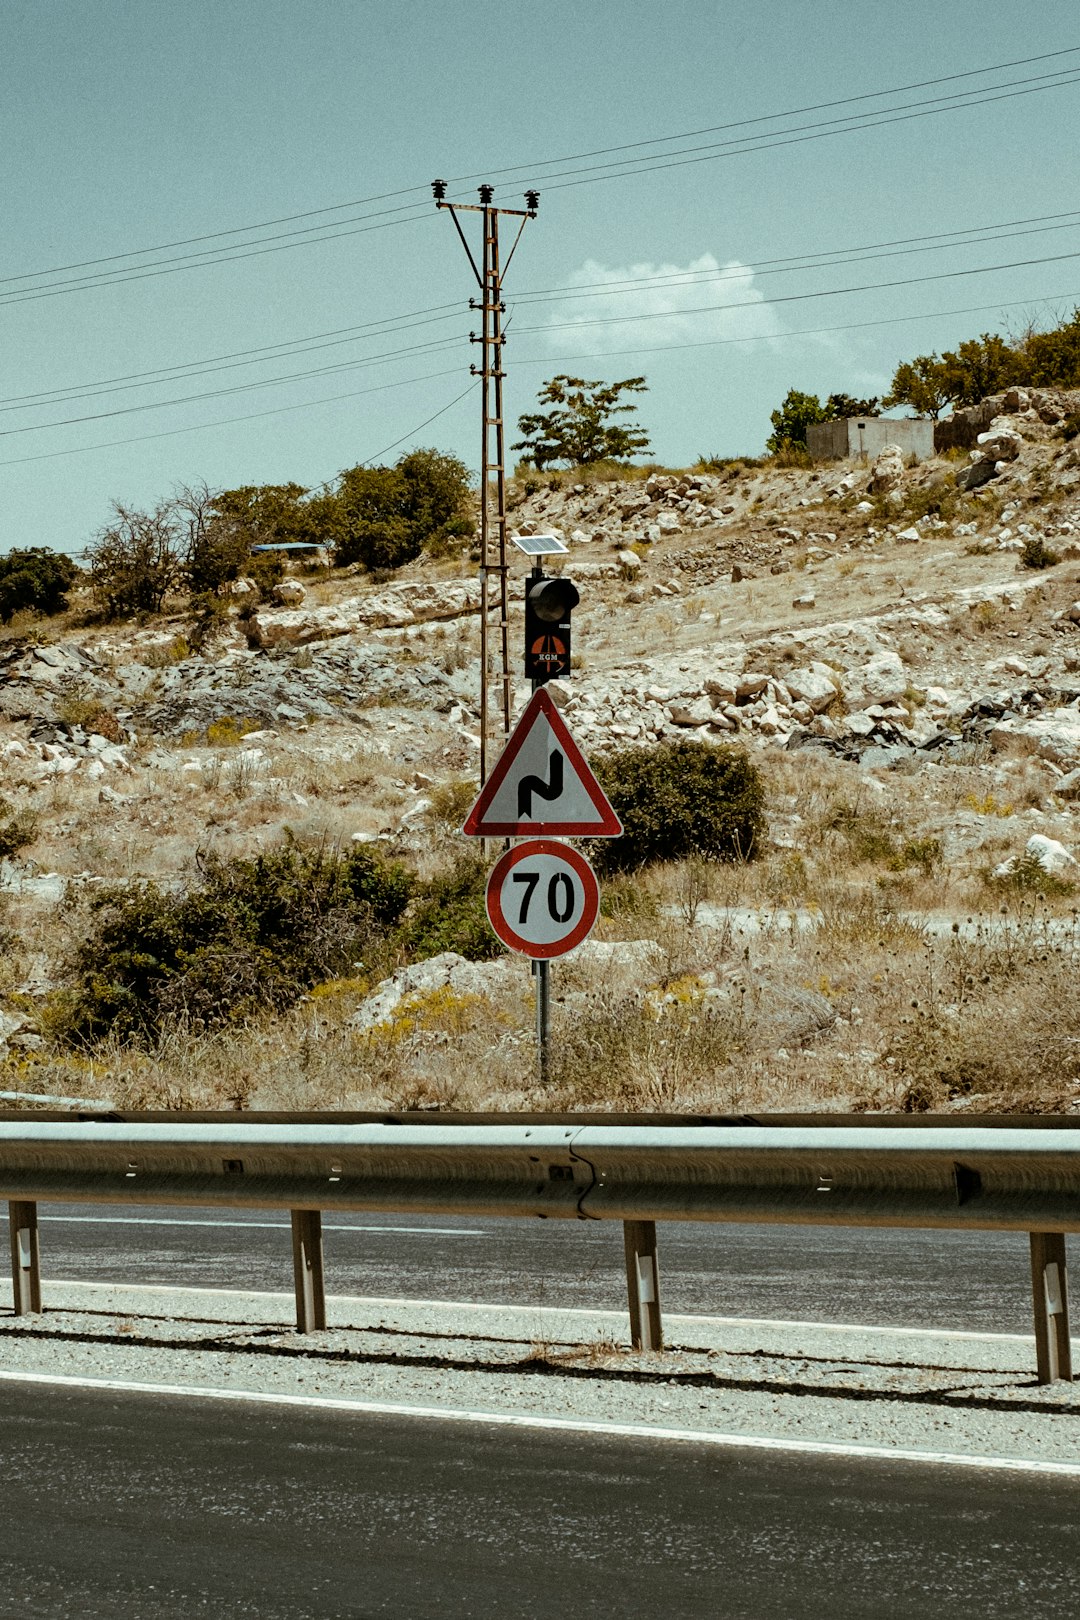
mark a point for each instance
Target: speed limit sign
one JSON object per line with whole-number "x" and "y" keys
{"x": 542, "y": 898}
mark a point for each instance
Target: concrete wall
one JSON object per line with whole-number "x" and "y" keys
{"x": 868, "y": 436}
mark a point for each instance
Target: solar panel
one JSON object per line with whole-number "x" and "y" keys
{"x": 538, "y": 545}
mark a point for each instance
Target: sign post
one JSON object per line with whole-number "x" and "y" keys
{"x": 542, "y": 896}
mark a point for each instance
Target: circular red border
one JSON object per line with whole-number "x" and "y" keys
{"x": 581, "y": 929}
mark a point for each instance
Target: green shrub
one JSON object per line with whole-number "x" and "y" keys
{"x": 18, "y": 829}
{"x": 248, "y": 935}
{"x": 1027, "y": 875}
{"x": 35, "y": 578}
{"x": 449, "y": 915}
{"x": 1037, "y": 554}
{"x": 680, "y": 799}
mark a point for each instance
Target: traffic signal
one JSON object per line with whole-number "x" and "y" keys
{"x": 549, "y": 602}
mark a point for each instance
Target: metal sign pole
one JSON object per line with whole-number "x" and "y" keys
{"x": 541, "y": 973}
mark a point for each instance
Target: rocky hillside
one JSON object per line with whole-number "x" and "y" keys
{"x": 898, "y": 646}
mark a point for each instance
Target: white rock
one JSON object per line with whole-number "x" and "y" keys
{"x": 696, "y": 712}
{"x": 888, "y": 468}
{"x": 882, "y": 679}
{"x": 908, "y": 537}
{"x": 288, "y": 593}
{"x": 1054, "y": 736}
{"x": 448, "y": 969}
{"x": 809, "y": 687}
{"x": 1051, "y": 856}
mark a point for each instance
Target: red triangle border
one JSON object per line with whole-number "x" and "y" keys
{"x": 608, "y": 826}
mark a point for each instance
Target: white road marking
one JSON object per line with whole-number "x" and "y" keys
{"x": 262, "y": 1226}
{"x": 549, "y": 1308}
{"x": 519, "y": 1420}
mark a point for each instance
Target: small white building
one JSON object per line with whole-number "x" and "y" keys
{"x": 866, "y": 436}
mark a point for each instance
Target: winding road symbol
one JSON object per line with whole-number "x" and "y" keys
{"x": 542, "y": 784}
{"x": 537, "y": 786}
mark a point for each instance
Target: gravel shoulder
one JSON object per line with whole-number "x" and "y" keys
{"x": 963, "y": 1393}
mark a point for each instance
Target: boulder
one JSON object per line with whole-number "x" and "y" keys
{"x": 438, "y": 972}
{"x": 882, "y": 679}
{"x": 811, "y": 687}
{"x": 692, "y": 712}
{"x": 295, "y": 627}
{"x": 1054, "y": 736}
{"x": 1000, "y": 442}
{"x": 288, "y": 593}
{"x": 1051, "y": 856}
{"x": 888, "y": 469}
{"x": 976, "y": 473}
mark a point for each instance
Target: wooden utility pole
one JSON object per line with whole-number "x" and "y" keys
{"x": 489, "y": 275}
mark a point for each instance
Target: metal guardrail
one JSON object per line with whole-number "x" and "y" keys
{"x": 1001, "y": 1175}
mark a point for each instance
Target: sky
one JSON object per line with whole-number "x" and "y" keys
{"x": 220, "y": 260}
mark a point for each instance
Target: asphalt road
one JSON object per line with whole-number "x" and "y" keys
{"x": 122, "y": 1507}
{"x": 977, "y": 1281}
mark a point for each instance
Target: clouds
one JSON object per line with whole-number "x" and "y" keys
{"x": 610, "y": 308}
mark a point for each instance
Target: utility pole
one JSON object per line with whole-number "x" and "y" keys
{"x": 489, "y": 276}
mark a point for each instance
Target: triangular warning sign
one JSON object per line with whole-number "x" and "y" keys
{"x": 542, "y": 784}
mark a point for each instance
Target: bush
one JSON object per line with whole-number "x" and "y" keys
{"x": 35, "y": 578}
{"x": 449, "y": 915}
{"x": 1035, "y": 553}
{"x": 250, "y": 935}
{"x": 680, "y": 799}
{"x": 18, "y": 829}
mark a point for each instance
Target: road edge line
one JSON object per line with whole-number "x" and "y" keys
{"x": 516, "y": 1420}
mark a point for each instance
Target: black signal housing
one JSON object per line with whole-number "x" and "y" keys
{"x": 549, "y": 602}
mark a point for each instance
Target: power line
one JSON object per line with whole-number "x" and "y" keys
{"x": 561, "y": 326}
{"x": 574, "y": 157}
{"x": 243, "y": 357}
{"x": 793, "y": 298}
{"x": 556, "y": 181}
{"x": 676, "y": 162}
{"x": 409, "y": 320}
{"x": 539, "y": 360}
{"x": 740, "y": 272}
{"x": 473, "y": 386}
{"x": 239, "y": 388}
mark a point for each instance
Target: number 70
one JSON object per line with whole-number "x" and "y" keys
{"x": 560, "y": 895}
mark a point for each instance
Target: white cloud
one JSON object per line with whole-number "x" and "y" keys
{"x": 654, "y": 305}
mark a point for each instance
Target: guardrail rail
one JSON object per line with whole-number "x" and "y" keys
{"x": 999, "y": 1174}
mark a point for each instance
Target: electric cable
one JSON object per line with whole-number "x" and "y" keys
{"x": 537, "y": 360}
{"x": 404, "y": 321}
{"x": 574, "y": 157}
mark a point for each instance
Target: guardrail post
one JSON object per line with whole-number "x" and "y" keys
{"x": 1050, "y": 1291}
{"x": 25, "y": 1258}
{"x": 643, "y": 1285}
{"x": 307, "y": 1248}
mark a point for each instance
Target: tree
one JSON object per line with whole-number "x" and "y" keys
{"x": 981, "y": 366}
{"x": 926, "y": 383}
{"x": 437, "y": 497}
{"x": 579, "y": 428}
{"x": 841, "y": 407}
{"x": 137, "y": 559}
{"x": 375, "y": 531}
{"x": 791, "y": 421}
{"x": 389, "y": 514}
{"x": 35, "y": 578}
